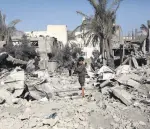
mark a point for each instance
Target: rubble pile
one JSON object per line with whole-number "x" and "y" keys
{"x": 119, "y": 99}
{"x": 125, "y": 83}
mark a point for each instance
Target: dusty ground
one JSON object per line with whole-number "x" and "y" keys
{"x": 95, "y": 111}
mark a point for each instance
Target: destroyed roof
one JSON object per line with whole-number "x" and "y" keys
{"x": 117, "y": 45}
{"x": 139, "y": 39}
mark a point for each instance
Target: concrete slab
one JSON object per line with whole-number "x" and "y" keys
{"x": 122, "y": 95}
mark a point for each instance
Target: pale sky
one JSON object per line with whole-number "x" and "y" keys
{"x": 37, "y": 14}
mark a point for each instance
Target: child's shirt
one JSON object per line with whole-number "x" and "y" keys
{"x": 81, "y": 70}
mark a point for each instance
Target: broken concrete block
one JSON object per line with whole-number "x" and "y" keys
{"x": 133, "y": 83}
{"x": 11, "y": 89}
{"x": 123, "y": 78}
{"x": 135, "y": 77}
{"x": 36, "y": 94}
{"x": 122, "y": 95}
{"x": 103, "y": 84}
{"x": 14, "y": 83}
{"x": 126, "y": 80}
{"x": 106, "y": 72}
{"x": 123, "y": 69}
{"x": 17, "y": 75}
{"x": 7, "y": 96}
{"x": 17, "y": 93}
{"x": 2, "y": 101}
{"x": 40, "y": 91}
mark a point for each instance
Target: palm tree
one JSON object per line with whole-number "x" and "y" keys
{"x": 6, "y": 31}
{"x": 100, "y": 27}
{"x": 71, "y": 38}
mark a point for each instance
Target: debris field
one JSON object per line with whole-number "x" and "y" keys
{"x": 114, "y": 99}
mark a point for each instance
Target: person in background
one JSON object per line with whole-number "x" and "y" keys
{"x": 36, "y": 62}
{"x": 81, "y": 71}
{"x": 70, "y": 66}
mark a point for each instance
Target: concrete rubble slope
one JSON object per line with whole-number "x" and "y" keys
{"x": 44, "y": 100}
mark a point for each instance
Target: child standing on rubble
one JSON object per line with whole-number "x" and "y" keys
{"x": 81, "y": 71}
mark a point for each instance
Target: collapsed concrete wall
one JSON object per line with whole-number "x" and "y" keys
{"x": 57, "y": 31}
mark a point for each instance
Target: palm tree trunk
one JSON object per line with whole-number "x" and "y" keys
{"x": 101, "y": 45}
{"x": 110, "y": 47}
{"x": 102, "y": 49}
{"x": 107, "y": 49}
{"x": 110, "y": 58}
{"x": 103, "y": 52}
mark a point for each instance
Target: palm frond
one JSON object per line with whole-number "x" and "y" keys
{"x": 76, "y": 29}
{"x": 144, "y": 27}
{"x": 114, "y": 5}
{"x": 81, "y": 27}
{"x": 14, "y": 22}
{"x": 88, "y": 41}
{"x": 82, "y": 14}
{"x": 95, "y": 40}
{"x": 101, "y": 26}
{"x": 94, "y": 4}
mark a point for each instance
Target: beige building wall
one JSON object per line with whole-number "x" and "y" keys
{"x": 59, "y": 32}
